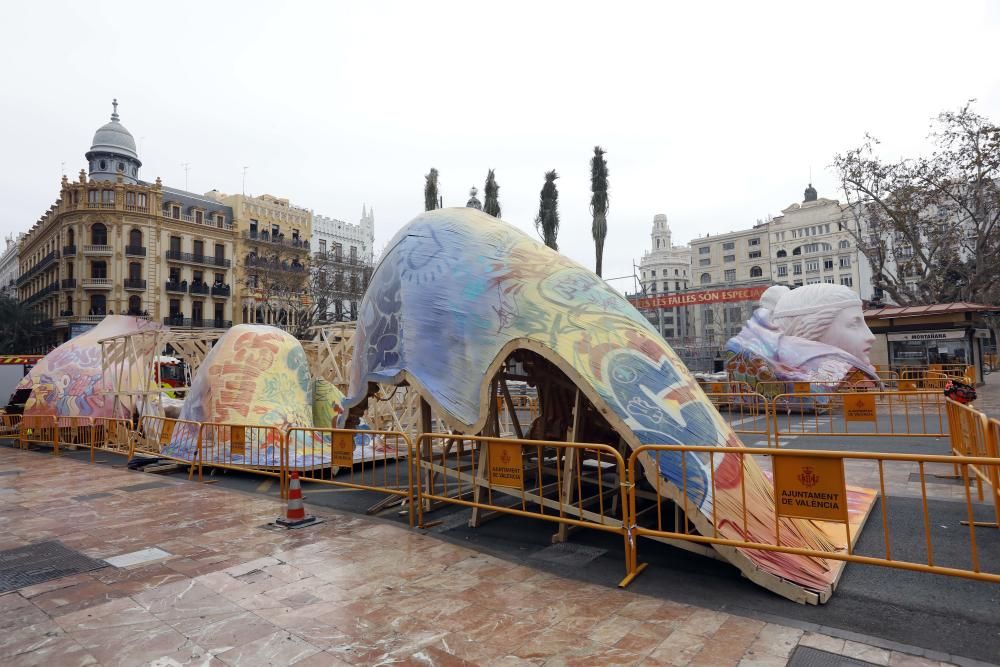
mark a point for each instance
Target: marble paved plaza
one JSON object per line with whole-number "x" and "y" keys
{"x": 352, "y": 590}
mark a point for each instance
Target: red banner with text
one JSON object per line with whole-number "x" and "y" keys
{"x": 696, "y": 298}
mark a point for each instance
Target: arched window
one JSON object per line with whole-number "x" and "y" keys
{"x": 134, "y": 305}
{"x": 706, "y": 278}
{"x": 657, "y": 244}
{"x": 135, "y": 271}
{"x": 99, "y": 234}
{"x": 135, "y": 238}
{"x": 756, "y": 272}
{"x": 797, "y": 251}
{"x": 70, "y": 237}
{"x": 782, "y": 253}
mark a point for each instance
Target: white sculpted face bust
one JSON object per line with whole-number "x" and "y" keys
{"x": 825, "y": 313}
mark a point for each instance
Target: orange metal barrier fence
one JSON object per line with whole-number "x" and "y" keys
{"x": 379, "y": 461}
{"x": 257, "y": 449}
{"x": 871, "y": 464}
{"x": 895, "y": 414}
{"x": 155, "y": 433}
{"x": 10, "y": 426}
{"x": 749, "y": 413}
{"x": 566, "y": 483}
{"x": 75, "y": 432}
{"x": 39, "y": 430}
{"x": 112, "y": 435}
{"x": 972, "y": 434}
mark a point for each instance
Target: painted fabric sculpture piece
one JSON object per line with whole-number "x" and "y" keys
{"x": 457, "y": 291}
{"x": 258, "y": 375}
{"x": 70, "y": 382}
{"x": 813, "y": 334}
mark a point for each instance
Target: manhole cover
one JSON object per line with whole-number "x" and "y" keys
{"x": 569, "y": 554}
{"x": 144, "y": 486}
{"x": 44, "y": 561}
{"x": 807, "y": 656}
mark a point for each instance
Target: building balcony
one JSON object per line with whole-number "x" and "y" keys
{"x": 69, "y": 250}
{"x": 98, "y": 250}
{"x": 51, "y": 288}
{"x": 135, "y": 284}
{"x": 221, "y": 290}
{"x": 69, "y": 283}
{"x": 178, "y": 321}
{"x": 101, "y": 204}
{"x": 135, "y": 250}
{"x": 199, "y": 288}
{"x": 96, "y": 283}
{"x": 43, "y": 264}
{"x": 336, "y": 258}
{"x": 279, "y": 239}
{"x": 180, "y": 287}
{"x": 206, "y": 221}
{"x": 207, "y": 260}
{"x": 271, "y": 265}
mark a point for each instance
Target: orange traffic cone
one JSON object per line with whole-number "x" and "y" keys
{"x": 296, "y": 516}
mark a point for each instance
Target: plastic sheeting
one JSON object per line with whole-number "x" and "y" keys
{"x": 457, "y": 289}
{"x": 70, "y": 382}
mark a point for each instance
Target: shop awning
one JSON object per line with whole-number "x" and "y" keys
{"x": 895, "y": 312}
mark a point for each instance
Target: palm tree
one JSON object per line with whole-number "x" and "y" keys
{"x": 18, "y": 325}
{"x": 431, "y": 200}
{"x": 491, "y": 202}
{"x": 547, "y": 222}
{"x": 599, "y": 202}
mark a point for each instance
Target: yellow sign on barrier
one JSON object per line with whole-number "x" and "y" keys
{"x": 801, "y": 387}
{"x": 167, "y": 431}
{"x": 506, "y": 465}
{"x": 237, "y": 440}
{"x": 343, "y": 450}
{"x": 809, "y": 487}
{"x": 860, "y": 408}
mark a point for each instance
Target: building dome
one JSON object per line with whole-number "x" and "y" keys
{"x": 113, "y": 153}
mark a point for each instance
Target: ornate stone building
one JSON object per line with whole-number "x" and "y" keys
{"x": 342, "y": 264}
{"x": 112, "y": 243}
{"x": 666, "y": 269}
{"x": 272, "y": 251}
{"x": 10, "y": 269}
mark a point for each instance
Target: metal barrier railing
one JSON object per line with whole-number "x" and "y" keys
{"x": 512, "y": 421}
{"x": 567, "y": 483}
{"x": 10, "y": 426}
{"x": 749, "y": 413}
{"x": 729, "y": 535}
{"x": 379, "y": 461}
{"x": 246, "y": 447}
{"x": 112, "y": 435}
{"x": 895, "y": 414}
{"x": 180, "y": 437}
{"x": 75, "y": 432}
{"x": 39, "y": 430}
{"x": 725, "y": 387}
{"x": 973, "y": 434}
{"x": 772, "y": 389}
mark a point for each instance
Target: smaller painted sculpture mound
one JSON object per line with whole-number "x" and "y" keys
{"x": 814, "y": 334}
{"x": 258, "y": 376}
{"x": 70, "y": 381}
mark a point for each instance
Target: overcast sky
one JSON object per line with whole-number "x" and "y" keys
{"x": 712, "y": 113}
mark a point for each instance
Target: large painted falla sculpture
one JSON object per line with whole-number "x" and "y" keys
{"x": 814, "y": 334}
{"x": 457, "y": 291}
{"x": 70, "y": 381}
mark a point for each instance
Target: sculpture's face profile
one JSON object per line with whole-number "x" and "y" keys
{"x": 849, "y": 332}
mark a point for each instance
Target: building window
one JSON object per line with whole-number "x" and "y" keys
{"x": 730, "y": 275}
{"x": 845, "y": 244}
{"x": 98, "y": 305}
{"x": 704, "y": 250}
{"x": 756, "y": 272}
{"x": 797, "y": 251}
{"x": 220, "y": 253}
{"x": 782, "y": 253}
{"x": 729, "y": 245}
{"x": 199, "y": 217}
{"x": 135, "y": 271}
{"x": 797, "y": 269}
{"x": 812, "y": 266}
{"x": 828, "y": 279}
{"x": 753, "y": 241}
{"x": 677, "y": 286}
{"x": 811, "y": 247}
{"x": 798, "y": 283}
{"x": 98, "y": 270}
{"x": 140, "y": 199}
{"x": 199, "y": 249}
{"x": 175, "y": 244}
{"x": 652, "y": 273}
{"x": 135, "y": 238}
{"x": 322, "y": 245}
{"x": 99, "y": 234}
{"x": 847, "y": 280}
{"x": 175, "y": 212}
{"x": 708, "y": 316}
{"x": 827, "y": 264}
{"x": 783, "y": 270}
{"x": 729, "y": 258}
{"x": 754, "y": 254}
{"x": 706, "y": 278}
{"x": 845, "y": 262}
{"x": 812, "y": 281}
{"x": 676, "y": 272}
{"x": 652, "y": 287}
{"x": 704, "y": 261}
{"x": 108, "y": 196}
